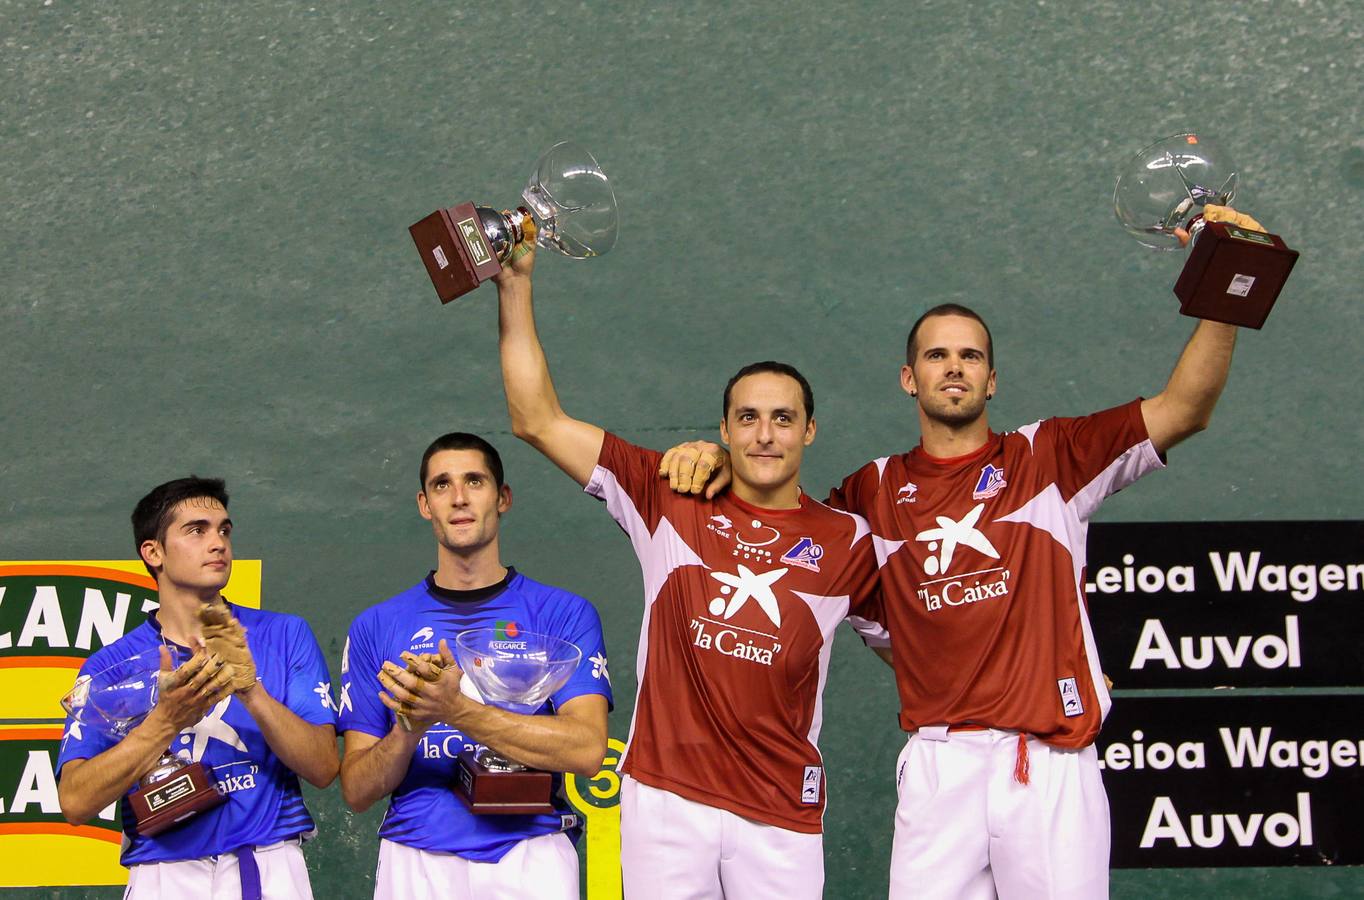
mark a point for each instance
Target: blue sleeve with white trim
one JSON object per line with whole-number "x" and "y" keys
{"x": 582, "y": 626}
{"x": 360, "y": 707}
{"x": 309, "y": 691}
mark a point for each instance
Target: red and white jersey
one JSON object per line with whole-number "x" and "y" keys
{"x": 982, "y": 572}
{"x": 740, "y": 606}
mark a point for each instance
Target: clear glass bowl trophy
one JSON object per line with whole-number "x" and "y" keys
{"x": 517, "y": 672}
{"x": 116, "y": 700}
{"x": 568, "y": 200}
{"x": 1233, "y": 274}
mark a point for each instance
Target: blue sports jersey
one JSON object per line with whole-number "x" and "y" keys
{"x": 263, "y": 805}
{"x": 424, "y": 812}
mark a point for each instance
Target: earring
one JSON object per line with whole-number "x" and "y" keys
{"x": 913, "y": 393}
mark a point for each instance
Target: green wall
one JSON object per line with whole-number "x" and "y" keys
{"x": 206, "y": 268}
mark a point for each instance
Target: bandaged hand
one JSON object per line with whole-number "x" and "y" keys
{"x": 424, "y": 691}
{"x": 225, "y": 637}
{"x": 521, "y": 262}
{"x": 1212, "y": 213}
{"x": 696, "y": 466}
{"x": 427, "y": 667}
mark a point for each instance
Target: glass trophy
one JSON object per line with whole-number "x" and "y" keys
{"x": 116, "y": 700}
{"x": 1233, "y": 274}
{"x": 517, "y": 672}
{"x": 568, "y": 201}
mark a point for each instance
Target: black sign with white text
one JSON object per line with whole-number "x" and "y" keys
{"x": 1234, "y": 780}
{"x": 1228, "y": 604}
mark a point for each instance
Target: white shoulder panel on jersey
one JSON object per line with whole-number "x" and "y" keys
{"x": 1030, "y": 431}
{"x": 660, "y": 552}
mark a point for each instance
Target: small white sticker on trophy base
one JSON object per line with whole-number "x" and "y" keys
{"x": 1241, "y": 285}
{"x": 440, "y": 257}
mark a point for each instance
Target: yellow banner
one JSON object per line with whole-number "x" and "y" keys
{"x": 598, "y": 800}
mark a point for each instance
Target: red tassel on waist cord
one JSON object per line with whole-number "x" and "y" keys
{"x": 1021, "y": 764}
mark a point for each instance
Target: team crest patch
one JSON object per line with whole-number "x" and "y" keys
{"x": 806, "y": 554}
{"x": 809, "y": 788}
{"x": 991, "y": 482}
{"x": 1070, "y": 697}
{"x": 507, "y": 631}
{"x": 906, "y": 493}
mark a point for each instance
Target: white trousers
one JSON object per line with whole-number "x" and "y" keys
{"x": 283, "y": 876}
{"x": 675, "y": 848}
{"x": 966, "y": 828}
{"x": 541, "y": 867}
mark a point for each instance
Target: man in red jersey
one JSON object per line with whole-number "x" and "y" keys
{"x": 723, "y": 792}
{"x": 981, "y": 541}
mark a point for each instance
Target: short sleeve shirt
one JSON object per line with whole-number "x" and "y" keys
{"x": 982, "y": 571}
{"x": 264, "y": 804}
{"x": 741, "y": 604}
{"x": 423, "y": 811}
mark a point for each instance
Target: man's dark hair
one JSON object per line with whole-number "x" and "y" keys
{"x": 950, "y": 309}
{"x": 152, "y": 515}
{"x": 460, "y": 440}
{"x": 777, "y": 368}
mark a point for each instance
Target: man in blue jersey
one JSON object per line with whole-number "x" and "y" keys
{"x": 429, "y": 838}
{"x": 258, "y": 722}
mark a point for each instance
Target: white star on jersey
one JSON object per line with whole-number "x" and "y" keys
{"x": 952, "y": 533}
{"x": 213, "y": 727}
{"x": 748, "y": 584}
{"x": 599, "y": 666}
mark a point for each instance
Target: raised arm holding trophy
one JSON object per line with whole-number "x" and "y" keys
{"x": 572, "y": 211}
{"x": 1001, "y": 690}
{"x": 1174, "y": 192}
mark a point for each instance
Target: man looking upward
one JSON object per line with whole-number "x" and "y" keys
{"x": 429, "y": 840}
{"x": 723, "y": 791}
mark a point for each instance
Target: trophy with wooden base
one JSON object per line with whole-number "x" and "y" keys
{"x": 1233, "y": 274}
{"x": 517, "y": 671}
{"x": 570, "y": 209}
{"x": 116, "y": 700}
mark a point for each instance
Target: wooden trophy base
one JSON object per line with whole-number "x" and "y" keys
{"x": 1234, "y": 275}
{"x": 456, "y": 254}
{"x": 169, "y": 801}
{"x": 487, "y": 792}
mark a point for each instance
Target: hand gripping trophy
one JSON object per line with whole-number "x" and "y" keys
{"x": 114, "y": 701}
{"x": 517, "y": 672}
{"x": 572, "y": 210}
{"x": 1233, "y": 273}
